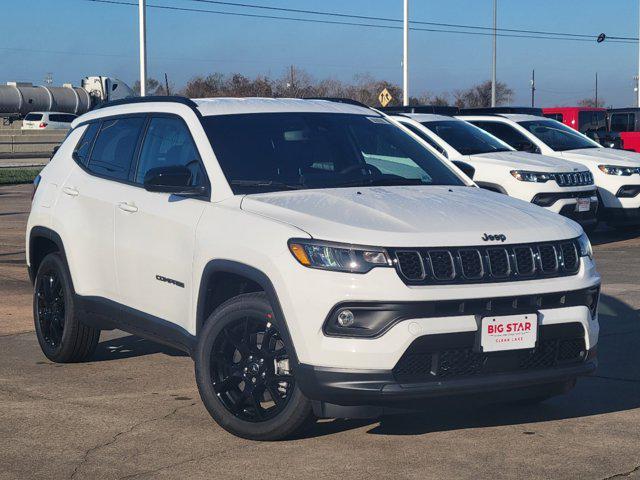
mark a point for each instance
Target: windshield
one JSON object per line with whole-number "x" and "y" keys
{"x": 285, "y": 151}
{"x": 466, "y": 138}
{"x": 557, "y": 136}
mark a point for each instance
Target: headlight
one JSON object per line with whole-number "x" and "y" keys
{"x": 618, "y": 170}
{"x": 585, "y": 246}
{"x": 338, "y": 257}
{"x": 525, "y": 176}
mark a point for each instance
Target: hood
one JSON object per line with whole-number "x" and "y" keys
{"x": 403, "y": 216}
{"x": 597, "y": 156}
{"x": 527, "y": 161}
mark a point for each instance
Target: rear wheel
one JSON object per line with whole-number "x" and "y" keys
{"x": 62, "y": 336}
{"x": 244, "y": 371}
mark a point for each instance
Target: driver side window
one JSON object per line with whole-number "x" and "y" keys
{"x": 168, "y": 142}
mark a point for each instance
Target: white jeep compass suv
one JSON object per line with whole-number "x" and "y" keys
{"x": 313, "y": 258}
{"x": 559, "y": 185}
{"x": 616, "y": 172}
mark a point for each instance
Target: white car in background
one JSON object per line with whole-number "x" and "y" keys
{"x": 48, "y": 121}
{"x": 616, "y": 172}
{"x": 561, "y": 186}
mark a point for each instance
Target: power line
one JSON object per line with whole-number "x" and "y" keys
{"x": 333, "y": 22}
{"x": 417, "y": 22}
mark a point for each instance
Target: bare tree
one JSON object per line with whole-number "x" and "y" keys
{"x": 591, "y": 102}
{"x": 297, "y": 83}
{"x": 153, "y": 87}
{"x": 480, "y": 95}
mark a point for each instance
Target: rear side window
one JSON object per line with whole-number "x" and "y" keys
{"x": 83, "y": 149}
{"x": 556, "y": 116}
{"x": 167, "y": 143}
{"x": 33, "y": 117}
{"x": 622, "y": 122}
{"x": 504, "y": 132}
{"x": 115, "y": 146}
{"x": 64, "y": 118}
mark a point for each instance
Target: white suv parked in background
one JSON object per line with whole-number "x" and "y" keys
{"x": 48, "y": 121}
{"x": 616, "y": 172}
{"x": 314, "y": 258}
{"x": 563, "y": 187}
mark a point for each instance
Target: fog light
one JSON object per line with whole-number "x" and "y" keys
{"x": 345, "y": 318}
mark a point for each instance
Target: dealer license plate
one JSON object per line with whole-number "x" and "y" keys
{"x": 583, "y": 205}
{"x": 511, "y": 332}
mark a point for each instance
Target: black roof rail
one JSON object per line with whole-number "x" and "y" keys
{"x": 497, "y": 110}
{"x": 623, "y": 109}
{"x": 434, "y": 109}
{"x": 348, "y": 101}
{"x": 149, "y": 99}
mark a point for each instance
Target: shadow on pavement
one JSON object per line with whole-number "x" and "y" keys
{"x": 131, "y": 346}
{"x": 615, "y": 387}
{"x": 604, "y": 235}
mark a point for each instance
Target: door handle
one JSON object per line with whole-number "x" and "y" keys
{"x": 72, "y": 192}
{"x": 127, "y": 207}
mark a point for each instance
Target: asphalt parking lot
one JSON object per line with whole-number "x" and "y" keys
{"x": 134, "y": 412}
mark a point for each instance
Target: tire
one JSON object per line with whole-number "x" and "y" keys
{"x": 245, "y": 375}
{"x": 62, "y": 336}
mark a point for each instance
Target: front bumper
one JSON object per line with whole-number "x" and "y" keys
{"x": 454, "y": 364}
{"x": 366, "y": 388}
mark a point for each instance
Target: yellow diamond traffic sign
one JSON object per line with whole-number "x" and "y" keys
{"x": 385, "y": 97}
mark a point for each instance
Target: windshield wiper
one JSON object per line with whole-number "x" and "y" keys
{"x": 266, "y": 183}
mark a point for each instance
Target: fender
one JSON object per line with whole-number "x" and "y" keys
{"x": 44, "y": 232}
{"x": 252, "y": 273}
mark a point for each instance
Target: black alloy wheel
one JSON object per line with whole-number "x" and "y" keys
{"x": 250, "y": 369}
{"x": 50, "y": 308}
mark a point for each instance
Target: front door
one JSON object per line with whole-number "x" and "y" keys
{"x": 155, "y": 232}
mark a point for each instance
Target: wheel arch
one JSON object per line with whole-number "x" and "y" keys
{"x": 42, "y": 241}
{"x": 216, "y": 269}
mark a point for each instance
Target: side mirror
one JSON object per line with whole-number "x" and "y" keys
{"x": 467, "y": 169}
{"x": 174, "y": 179}
{"x": 526, "y": 147}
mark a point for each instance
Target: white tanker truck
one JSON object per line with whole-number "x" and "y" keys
{"x": 17, "y": 99}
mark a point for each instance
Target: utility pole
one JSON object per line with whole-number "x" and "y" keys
{"x": 405, "y": 57}
{"x": 596, "y": 89}
{"x": 166, "y": 84}
{"x": 495, "y": 42}
{"x": 533, "y": 88}
{"x": 143, "y": 46}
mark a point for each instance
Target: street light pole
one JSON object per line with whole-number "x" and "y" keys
{"x": 495, "y": 41}
{"x": 405, "y": 58}
{"x": 143, "y": 46}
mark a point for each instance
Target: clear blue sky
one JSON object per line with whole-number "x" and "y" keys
{"x": 75, "y": 38}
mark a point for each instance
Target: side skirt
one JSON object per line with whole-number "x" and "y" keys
{"x": 106, "y": 314}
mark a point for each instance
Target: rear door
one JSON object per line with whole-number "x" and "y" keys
{"x": 85, "y": 209}
{"x": 155, "y": 232}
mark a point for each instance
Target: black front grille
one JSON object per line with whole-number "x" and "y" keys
{"x": 548, "y": 258}
{"x": 442, "y": 264}
{"x": 453, "y": 355}
{"x": 525, "y": 260}
{"x": 471, "y": 263}
{"x": 421, "y": 266}
{"x": 570, "y": 256}
{"x": 410, "y": 265}
{"x": 572, "y": 179}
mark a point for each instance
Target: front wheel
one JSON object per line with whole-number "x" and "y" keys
{"x": 245, "y": 372}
